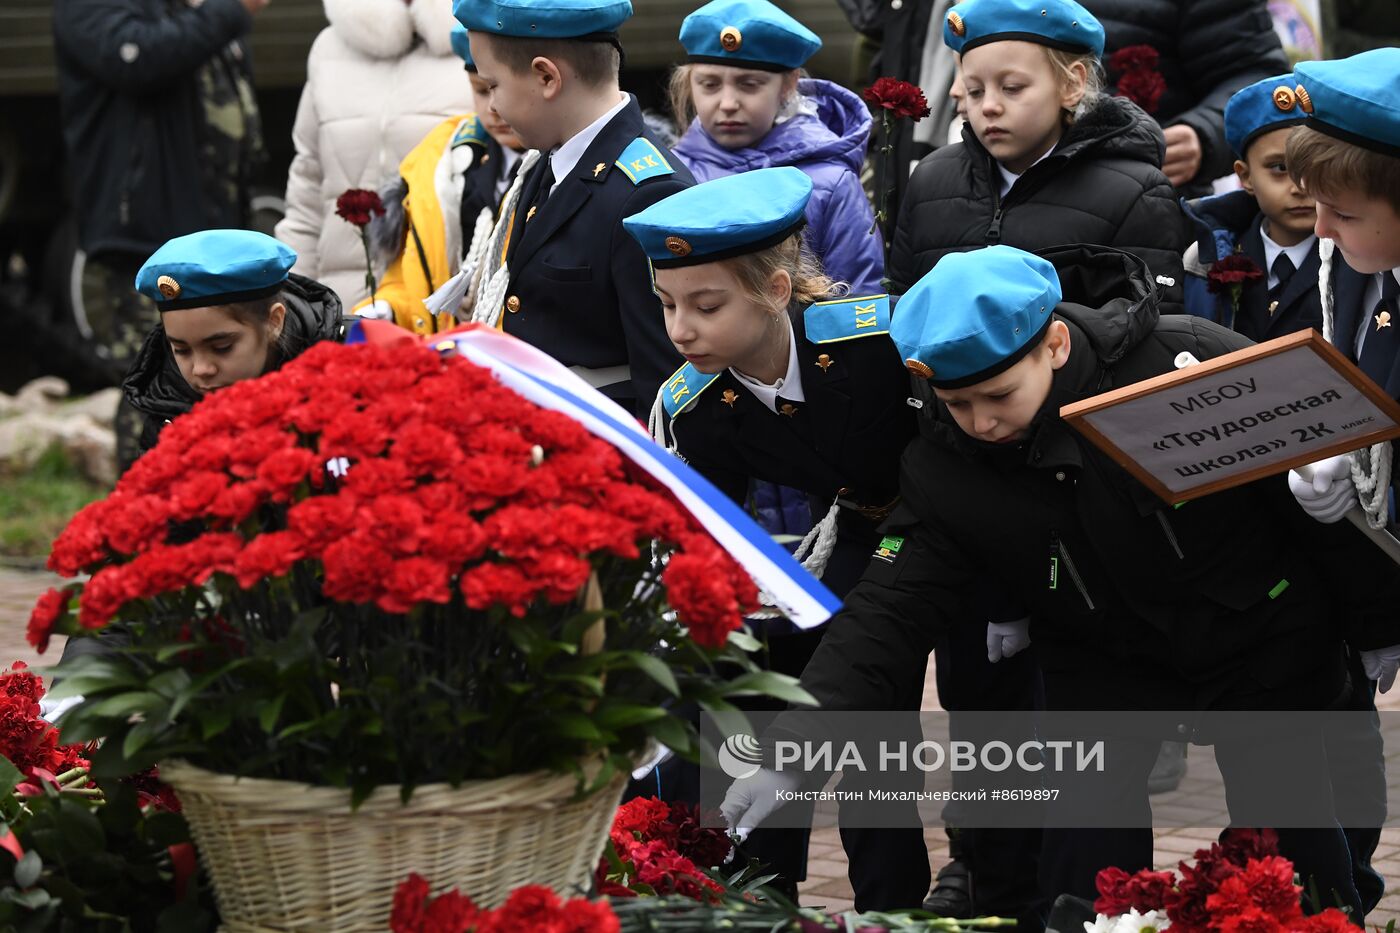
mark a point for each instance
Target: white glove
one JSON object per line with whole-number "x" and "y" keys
{"x": 377, "y": 311}
{"x": 50, "y": 710}
{"x": 751, "y": 800}
{"x": 1329, "y": 495}
{"x": 1005, "y": 639}
{"x": 1381, "y": 665}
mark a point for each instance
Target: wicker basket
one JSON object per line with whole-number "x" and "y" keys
{"x": 288, "y": 856}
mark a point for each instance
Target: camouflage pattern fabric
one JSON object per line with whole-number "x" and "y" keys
{"x": 119, "y": 315}
{"x": 232, "y": 147}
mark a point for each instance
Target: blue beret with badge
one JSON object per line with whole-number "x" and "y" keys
{"x": 1354, "y": 99}
{"x": 1059, "y": 24}
{"x": 1260, "y": 108}
{"x": 215, "y": 267}
{"x": 747, "y": 34}
{"x": 543, "y": 19}
{"x": 975, "y": 315}
{"x": 461, "y": 44}
{"x": 730, "y": 216}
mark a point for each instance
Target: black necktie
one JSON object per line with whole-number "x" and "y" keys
{"x": 1282, "y": 270}
{"x": 546, "y": 183}
{"x": 1378, "y": 352}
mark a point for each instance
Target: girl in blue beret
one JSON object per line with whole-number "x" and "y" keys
{"x": 742, "y": 103}
{"x": 1046, "y": 158}
{"x": 230, "y": 309}
{"x": 786, "y": 383}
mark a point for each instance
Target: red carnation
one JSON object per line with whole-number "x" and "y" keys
{"x": 1330, "y": 920}
{"x": 358, "y": 205}
{"x": 1120, "y": 892}
{"x": 900, "y": 98}
{"x": 1231, "y": 272}
{"x": 1135, "y": 68}
{"x": 1265, "y": 884}
{"x": 47, "y": 611}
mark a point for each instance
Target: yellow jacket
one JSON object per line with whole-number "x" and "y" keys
{"x": 456, "y": 155}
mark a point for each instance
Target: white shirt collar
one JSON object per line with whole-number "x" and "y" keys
{"x": 790, "y": 386}
{"x": 563, "y": 160}
{"x": 1297, "y": 253}
{"x": 1008, "y": 178}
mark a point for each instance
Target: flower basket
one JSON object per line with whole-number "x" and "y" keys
{"x": 289, "y": 856}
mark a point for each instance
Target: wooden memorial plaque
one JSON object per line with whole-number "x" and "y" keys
{"x": 1233, "y": 419}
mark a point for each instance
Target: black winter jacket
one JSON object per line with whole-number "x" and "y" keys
{"x": 1209, "y": 50}
{"x": 1134, "y": 604}
{"x": 133, "y": 120}
{"x": 1101, "y": 185}
{"x": 155, "y": 388}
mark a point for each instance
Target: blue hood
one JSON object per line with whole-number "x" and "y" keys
{"x": 837, "y": 134}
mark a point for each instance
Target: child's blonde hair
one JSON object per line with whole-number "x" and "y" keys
{"x": 1063, "y": 62}
{"x": 682, "y": 98}
{"x": 809, "y": 283}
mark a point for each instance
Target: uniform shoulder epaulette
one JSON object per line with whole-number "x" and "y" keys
{"x": 642, "y": 160}
{"x": 683, "y": 388}
{"x": 847, "y": 318}
{"x": 469, "y": 132}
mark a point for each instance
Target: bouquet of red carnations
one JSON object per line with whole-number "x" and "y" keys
{"x": 1238, "y": 885}
{"x": 379, "y": 566}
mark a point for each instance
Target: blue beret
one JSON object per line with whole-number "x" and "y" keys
{"x": 215, "y": 267}
{"x": 543, "y": 19}
{"x": 1060, "y": 24}
{"x": 1355, "y": 99}
{"x": 461, "y": 44}
{"x": 1262, "y": 106}
{"x": 747, "y": 33}
{"x": 730, "y": 216}
{"x": 975, "y": 315}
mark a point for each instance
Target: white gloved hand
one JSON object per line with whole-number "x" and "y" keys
{"x": 751, "y": 800}
{"x": 1329, "y": 495}
{"x": 50, "y": 710}
{"x": 1381, "y": 666}
{"x": 379, "y": 310}
{"x": 1005, "y": 639}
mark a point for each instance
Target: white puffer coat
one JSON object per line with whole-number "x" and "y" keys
{"x": 378, "y": 79}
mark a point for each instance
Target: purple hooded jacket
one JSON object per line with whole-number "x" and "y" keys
{"x": 829, "y": 147}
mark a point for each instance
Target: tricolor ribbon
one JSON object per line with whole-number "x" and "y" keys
{"x": 548, "y": 383}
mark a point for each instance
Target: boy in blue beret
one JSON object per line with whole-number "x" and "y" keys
{"x": 1129, "y": 598}
{"x": 441, "y": 209}
{"x": 1267, "y": 225}
{"x": 1347, "y": 157}
{"x": 560, "y": 272}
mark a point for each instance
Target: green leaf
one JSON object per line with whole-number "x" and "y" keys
{"x": 268, "y": 715}
{"x": 670, "y": 732}
{"x": 28, "y": 869}
{"x": 656, "y": 669}
{"x": 576, "y": 726}
{"x": 170, "y": 651}
{"x": 10, "y": 776}
{"x": 80, "y": 827}
{"x": 215, "y": 721}
{"x": 744, "y": 641}
{"x": 139, "y": 737}
{"x": 169, "y": 683}
{"x": 620, "y": 715}
{"x": 89, "y": 675}
{"x": 123, "y": 705}
{"x": 773, "y": 684}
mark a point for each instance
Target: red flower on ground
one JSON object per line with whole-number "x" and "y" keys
{"x": 1120, "y": 892}
{"x": 1265, "y": 884}
{"x": 900, "y": 98}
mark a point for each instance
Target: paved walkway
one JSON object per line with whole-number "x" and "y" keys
{"x": 826, "y": 870}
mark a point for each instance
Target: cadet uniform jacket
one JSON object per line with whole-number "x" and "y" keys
{"x": 1229, "y": 221}
{"x": 1237, "y": 600}
{"x": 844, "y": 440}
{"x": 580, "y": 286}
